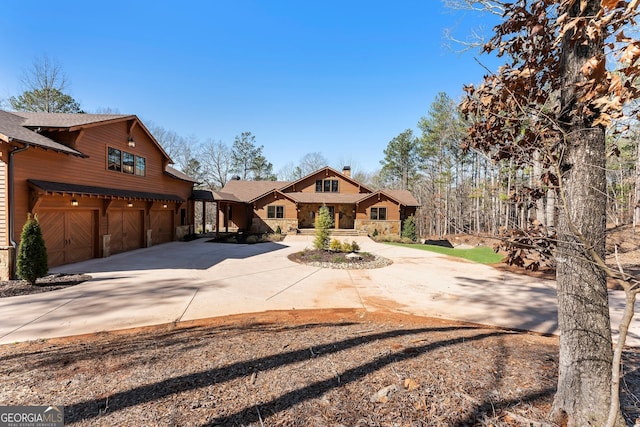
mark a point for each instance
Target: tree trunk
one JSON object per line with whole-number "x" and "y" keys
{"x": 584, "y": 382}
{"x": 550, "y": 214}
{"x": 636, "y": 209}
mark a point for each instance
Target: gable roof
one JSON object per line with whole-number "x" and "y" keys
{"x": 246, "y": 191}
{"x": 333, "y": 171}
{"x": 77, "y": 121}
{"x": 68, "y": 120}
{"x": 403, "y": 196}
{"x": 12, "y": 128}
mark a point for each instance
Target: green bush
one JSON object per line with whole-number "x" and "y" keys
{"x": 335, "y": 246}
{"x": 32, "y": 259}
{"x": 355, "y": 247}
{"x": 278, "y": 230}
{"x": 252, "y": 239}
{"x": 322, "y": 224}
{"x": 346, "y": 247}
{"x": 375, "y": 233}
{"x": 409, "y": 229}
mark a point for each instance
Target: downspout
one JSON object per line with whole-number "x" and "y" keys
{"x": 12, "y": 241}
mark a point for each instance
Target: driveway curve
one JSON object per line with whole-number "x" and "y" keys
{"x": 183, "y": 281}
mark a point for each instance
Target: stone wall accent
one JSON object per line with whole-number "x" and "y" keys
{"x": 182, "y": 231}
{"x": 383, "y": 227}
{"x": 6, "y": 262}
{"x": 260, "y": 225}
{"x": 106, "y": 245}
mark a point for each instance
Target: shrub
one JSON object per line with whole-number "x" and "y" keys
{"x": 355, "y": 247}
{"x": 32, "y": 259}
{"x": 375, "y": 233}
{"x": 335, "y": 245}
{"x": 274, "y": 237}
{"x": 252, "y": 239}
{"x": 278, "y": 230}
{"x": 409, "y": 229}
{"x": 346, "y": 247}
{"x": 322, "y": 224}
{"x": 389, "y": 238}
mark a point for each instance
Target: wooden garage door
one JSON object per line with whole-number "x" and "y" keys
{"x": 125, "y": 228}
{"x": 70, "y": 236}
{"x": 161, "y": 226}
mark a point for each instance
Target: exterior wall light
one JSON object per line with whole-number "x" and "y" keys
{"x": 164, "y": 206}
{"x": 130, "y": 204}
{"x": 131, "y": 143}
{"x": 74, "y": 202}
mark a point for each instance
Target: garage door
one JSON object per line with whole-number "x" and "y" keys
{"x": 125, "y": 228}
{"x": 70, "y": 236}
{"x": 161, "y": 226}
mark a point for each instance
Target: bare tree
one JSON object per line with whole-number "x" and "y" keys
{"x": 216, "y": 159}
{"x": 44, "y": 86}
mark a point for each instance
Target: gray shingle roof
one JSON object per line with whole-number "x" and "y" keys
{"x": 65, "y": 120}
{"x": 12, "y": 127}
{"x": 175, "y": 173}
{"x": 246, "y": 191}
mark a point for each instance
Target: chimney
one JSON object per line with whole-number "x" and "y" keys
{"x": 346, "y": 171}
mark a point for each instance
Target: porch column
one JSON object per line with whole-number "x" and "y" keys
{"x": 204, "y": 217}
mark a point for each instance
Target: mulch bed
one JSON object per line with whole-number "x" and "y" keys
{"x": 296, "y": 368}
{"x": 317, "y": 368}
{"x": 52, "y": 282}
{"x": 339, "y": 260}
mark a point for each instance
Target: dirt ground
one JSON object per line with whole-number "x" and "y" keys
{"x": 297, "y": 368}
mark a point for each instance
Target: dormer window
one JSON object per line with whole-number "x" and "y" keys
{"x": 327, "y": 186}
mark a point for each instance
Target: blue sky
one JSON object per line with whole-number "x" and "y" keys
{"x": 337, "y": 77}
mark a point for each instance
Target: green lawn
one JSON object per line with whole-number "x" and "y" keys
{"x": 481, "y": 254}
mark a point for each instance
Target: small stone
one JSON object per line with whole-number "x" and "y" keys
{"x": 382, "y": 396}
{"x": 353, "y": 256}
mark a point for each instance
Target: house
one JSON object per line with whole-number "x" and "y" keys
{"x": 100, "y": 184}
{"x": 263, "y": 206}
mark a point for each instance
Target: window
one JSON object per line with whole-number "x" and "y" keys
{"x": 115, "y": 160}
{"x": 141, "y": 166}
{"x": 128, "y": 160}
{"x": 379, "y": 214}
{"x": 327, "y": 186}
{"x": 274, "y": 211}
{"x": 122, "y": 161}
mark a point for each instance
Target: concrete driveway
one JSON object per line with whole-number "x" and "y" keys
{"x": 192, "y": 280}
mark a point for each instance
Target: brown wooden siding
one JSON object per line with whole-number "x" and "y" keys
{"x": 364, "y": 208}
{"x": 308, "y": 185}
{"x": 260, "y": 206}
{"x": 51, "y": 166}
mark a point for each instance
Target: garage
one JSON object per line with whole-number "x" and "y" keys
{"x": 161, "y": 226}
{"x": 126, "y": 230}
{"x": 70, "y": 236}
